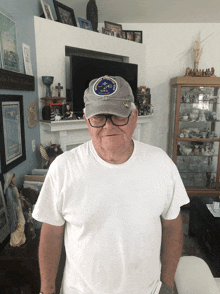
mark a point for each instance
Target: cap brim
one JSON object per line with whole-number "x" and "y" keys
{"x": 106, "y": 107}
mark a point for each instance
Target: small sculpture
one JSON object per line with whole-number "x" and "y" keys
{"x": 16, "y": 217}
{"x": 186, "y": 150}
{"x": 50, "y": 153}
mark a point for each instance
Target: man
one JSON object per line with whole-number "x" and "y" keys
{"x": 114, "y": 199}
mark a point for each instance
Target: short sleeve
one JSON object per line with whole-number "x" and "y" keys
{"x": 47, "y": 209}
{"x": 176, "y": 194}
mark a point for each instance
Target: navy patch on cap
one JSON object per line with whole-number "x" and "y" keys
{"x": 105, "y": 86}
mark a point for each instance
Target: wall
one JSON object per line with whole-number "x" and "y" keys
{"x": 22, "y": 12}
{"x": 168, "y": 54}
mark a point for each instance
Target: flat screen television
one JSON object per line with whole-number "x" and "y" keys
{"x": 85, "y": 69}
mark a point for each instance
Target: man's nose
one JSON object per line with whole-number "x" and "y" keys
{"x": 108, "y": 123}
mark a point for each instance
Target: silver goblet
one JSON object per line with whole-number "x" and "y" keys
{"x": 48, "y": 81}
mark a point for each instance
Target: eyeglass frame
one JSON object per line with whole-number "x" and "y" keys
{"x": 110, "y": 116}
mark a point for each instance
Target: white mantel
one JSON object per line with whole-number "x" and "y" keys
{"x": 75, "y": 132}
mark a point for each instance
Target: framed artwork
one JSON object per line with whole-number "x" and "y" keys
{"x": 135, "y": 36}
{"x": 138, "y": 36}
{"x": 85, "y": 24}
{"x": 4, "y": 222}
{"x": 92, "y": 14}
{"x": 27, "y": 59}
{"x": 65, "y": 14}
{"x": 9, "y": 54}
{"x": 107, "y": 32}
{"x": 47, "y": 10}
{"x": 12, "y": 143}
{"x": 116, "y": 28}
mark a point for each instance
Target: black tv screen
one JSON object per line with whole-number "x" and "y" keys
{"x": 85, "y": 69}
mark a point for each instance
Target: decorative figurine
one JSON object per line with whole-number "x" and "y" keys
{"x": 68, "y": 113}
{"x": 186, "y": 150}
{"x": 48, "y": 81}
{"x": 59, "y": 88}
{"x": 14, "y": 206}
{"x": 196, "y": 150}
{"x": 50, "y": 153}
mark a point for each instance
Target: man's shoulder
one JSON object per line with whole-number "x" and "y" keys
{"x": 150, "y": 150}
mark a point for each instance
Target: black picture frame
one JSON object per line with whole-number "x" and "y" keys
{"x": 136, "y": 36}
{"x": 117, "y": 28}
{"x": 12, "y": 135}
{"x": 64, "y": 14}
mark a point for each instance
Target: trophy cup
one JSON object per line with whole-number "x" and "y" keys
{"x": 48, "y": 81}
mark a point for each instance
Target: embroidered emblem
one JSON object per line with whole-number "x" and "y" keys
{"x": 105, "y": 86}
{"x": 125, "y": 105}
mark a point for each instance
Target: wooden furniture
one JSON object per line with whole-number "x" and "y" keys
{"x": 19, "y": 268}
{"x": 194, "y": 133}
{"x": 206, "y": 229}
{"x": 16, "y": 81}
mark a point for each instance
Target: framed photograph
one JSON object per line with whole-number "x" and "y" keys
{"x": 85, "y": 24}
{"x": 12, "y": 143}
{"x": 65, "y": 14}
{"x": 47, "y": 10}
{"x": 4, "y": 222}
{"x": 56, "y": 111}
{"x": 107, "y": 32}
{"x": 27, "y": 59}
{"x": 116, "y": 28}
{"x": 129, "y": 35}
{"x": 135, "y": 36}
{"x": 138, "y": 36}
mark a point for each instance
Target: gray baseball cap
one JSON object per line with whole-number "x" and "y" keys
{"x": 108, "y": 94}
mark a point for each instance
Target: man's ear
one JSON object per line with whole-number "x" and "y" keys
{"x": 86, "y": 120}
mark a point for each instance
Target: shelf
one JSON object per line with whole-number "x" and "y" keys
{"x": 199, "y": 139}
{"x": 11, "y": 80}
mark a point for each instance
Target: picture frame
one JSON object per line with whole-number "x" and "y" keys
{"x": 135, "y": 36}
{"x": 12, "y": 135}
{"x": 65, "y": 14}
{"x": 27, "y": 59}
{"x": 4, "y": 221}
{"x": 115, "y": 27}
{"x": 138, "y": 36}
{"x": 47, "y": 10}
{"x": 85, "y": 24}
{"x": 56, "y": 110}
{"x": 107, "y": 32}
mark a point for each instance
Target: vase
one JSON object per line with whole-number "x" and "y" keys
{"x": 48, "y": 81}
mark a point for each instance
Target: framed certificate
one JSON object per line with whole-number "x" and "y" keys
{"x": 12, "y": 146}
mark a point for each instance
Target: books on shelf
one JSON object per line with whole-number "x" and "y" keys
{"x": 33, "y": 185}
{"x": 40, "y": 171}
{"x": 35, "y": 178}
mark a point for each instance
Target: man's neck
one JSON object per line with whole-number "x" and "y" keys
{"x": 117, "y": 156}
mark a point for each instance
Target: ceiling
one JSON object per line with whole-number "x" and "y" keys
{"x": 151, "y": 11}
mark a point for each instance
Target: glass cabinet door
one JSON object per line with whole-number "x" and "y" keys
{"x": 198, "y": 137}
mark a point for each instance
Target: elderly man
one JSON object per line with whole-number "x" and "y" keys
{"x": 115, "y": 200}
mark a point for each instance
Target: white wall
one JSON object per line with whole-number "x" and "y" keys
{"x": 168, "y": 54}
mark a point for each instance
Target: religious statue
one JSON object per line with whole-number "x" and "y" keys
{"x": 14, "y": 205}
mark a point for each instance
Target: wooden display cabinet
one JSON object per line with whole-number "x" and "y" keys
{"x": 194, "y": 134}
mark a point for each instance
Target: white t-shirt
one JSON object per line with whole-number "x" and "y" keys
{"x": 112, "y": 215}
